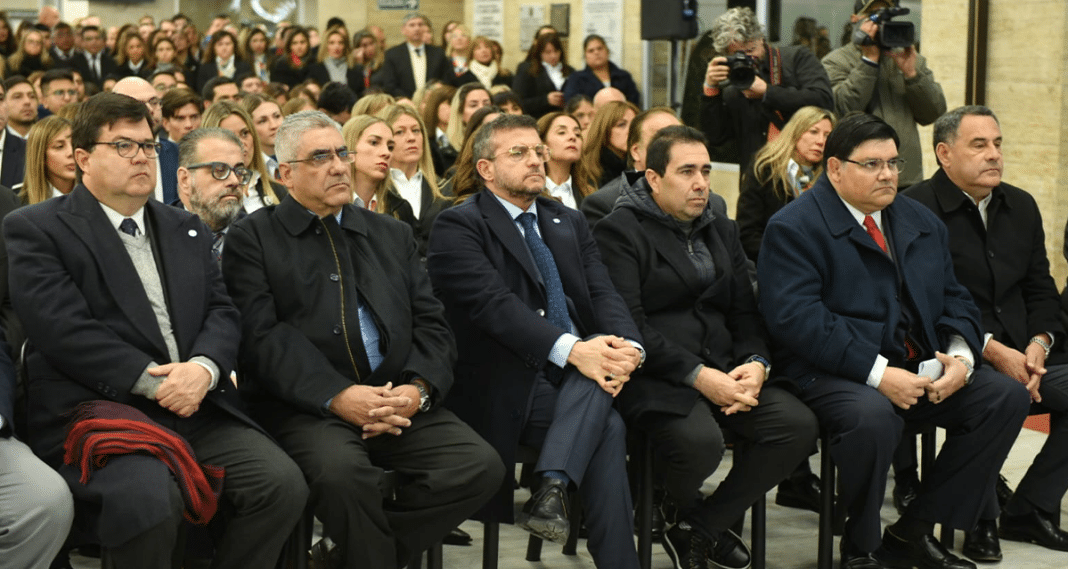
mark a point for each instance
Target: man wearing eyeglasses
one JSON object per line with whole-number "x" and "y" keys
{"x": 167, "y": 166}
{"x": 858, "y": 290}
{"x": 122, "y": 303}
{"x": 57, "y": 91}
{"x": 347, "y": 357}
{"x": 212, "y": 179}
{"x": 545, "y": 342}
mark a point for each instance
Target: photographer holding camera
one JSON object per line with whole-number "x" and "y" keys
{"x": 881, "y": 73}
{"x": 751, "y": 90}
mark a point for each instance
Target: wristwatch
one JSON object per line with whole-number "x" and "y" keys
{"x": 1045, "y": 345}
{"x": 424, "y": 396}
{"x": 968, "y": 369}
{"x": 762, "y": 361}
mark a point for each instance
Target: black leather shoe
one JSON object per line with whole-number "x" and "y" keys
{"x": 457, "y": 537}
{"x": 1036, "y": 527}
{"x": 728, "y": 551}
{"x": 687, "y": 548}
{"x": 546, "y": 513}
{"x": 801, "y": 492}
{"x": 1003, "y": 491}
{"x": 981, "y": 544}
{"x": 906, "y": 488}
{"x": 925, "y": 553}
{"x": 853, "y": 559}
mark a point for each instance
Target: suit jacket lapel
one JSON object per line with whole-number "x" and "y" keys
{"x": 180, "y": 268}
{"x": 504, "y": 228}
{"x": 89, "y": 222}
{"x": 838, "y": 219}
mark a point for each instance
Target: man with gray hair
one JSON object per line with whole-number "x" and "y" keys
{"x": 211, "y": 179}
{"x": 751, "y": 89}
{"x": 410, "y": 65}
{"x": 346, "y": 357}
{"x": 545, "y": 342}
{"x": 999, "y": 255}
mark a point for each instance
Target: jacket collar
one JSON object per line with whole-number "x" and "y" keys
{"x": 296, "y": 219}
{"x": 840, "y": 222}
{"x": 951, "y": 198}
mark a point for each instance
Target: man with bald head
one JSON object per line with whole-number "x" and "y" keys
{"x": 167, "y": 165}
{"x": 607, "y": 95}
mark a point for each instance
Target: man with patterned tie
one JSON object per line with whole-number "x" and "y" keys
{"x": 859, "y": 293}
{"x": 545, "y": 342}
{"x": 121, "y": 300}
{"x": 212, "y": 179}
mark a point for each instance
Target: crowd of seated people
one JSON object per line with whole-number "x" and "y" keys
{"x": 245, "y": 271}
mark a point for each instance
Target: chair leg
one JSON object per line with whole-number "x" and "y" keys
{"x": 759, "y": 532}
{"x": 825, "y": 558}
{"x": 534, "y": 548}
{"x": 490, "y": 543}
{"x": 927, "y": 460}
{"x": 645, "y": 503}
{"x": 434, "y": 557}
{"x": 415, "y": 561}
{"x": 575, "y": 523}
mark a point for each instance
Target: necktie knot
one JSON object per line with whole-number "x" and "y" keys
{"x": 419, "y": 52}
{"x": 129, "y": 227}
{"x": 527, "y": 221}
{"x": 873, "y": 231}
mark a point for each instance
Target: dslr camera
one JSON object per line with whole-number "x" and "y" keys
{"x": 890, "y": 34}
{"x": 743, "y": 70}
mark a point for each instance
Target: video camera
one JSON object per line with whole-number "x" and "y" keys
{"x": 890, "y": 34}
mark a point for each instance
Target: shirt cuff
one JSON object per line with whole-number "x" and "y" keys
{"x": 147, "y": 384}
{"x": 691, "y": 378}
{"x": 562, "y": 349}
{"x": 641, "y": 351}
{"x": 209, "y": 365}
{"x": 959, "y": 348}
{"x": 870, "y": 62}
{"x": 986, "y": 340}
{"x": 875, "y": 376}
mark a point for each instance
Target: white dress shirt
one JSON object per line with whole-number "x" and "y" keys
{"x": 561, "y": 191}
{"x": 411, "y": 189}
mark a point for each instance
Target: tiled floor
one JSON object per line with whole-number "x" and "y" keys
{"x": 791, "y": 541}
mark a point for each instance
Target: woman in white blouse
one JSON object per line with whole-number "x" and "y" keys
{"x": 565, "y": 176}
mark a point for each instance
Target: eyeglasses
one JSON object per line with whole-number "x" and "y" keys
{"x": 128, "y": 148}
{"x": 153, "y": 102}
{"x": 65, "y": 93}
{"x": 221, "y": 171}
{"x": 321, "y": 158}
{"x": 875, "y": 166}
{"x": 519, "y": 151}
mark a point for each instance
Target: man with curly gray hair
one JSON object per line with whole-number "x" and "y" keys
{"x": 748, "y": 106}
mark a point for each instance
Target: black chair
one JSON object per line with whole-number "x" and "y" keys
{"x": 832, "y": 519}
{"x": 295, "y": 551}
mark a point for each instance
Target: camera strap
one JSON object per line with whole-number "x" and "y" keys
{"x": 776, "y": 121}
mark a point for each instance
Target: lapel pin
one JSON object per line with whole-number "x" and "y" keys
{"x": 556, "y": 220}
{"x": 192, "y": 232}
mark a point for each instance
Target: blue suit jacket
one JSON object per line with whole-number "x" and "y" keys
{"x": 14, "y": 168}
{"x": 831, "y": 297}
{"x": 168, "y": 168}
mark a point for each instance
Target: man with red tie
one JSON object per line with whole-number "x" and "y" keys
{"x": 871, "y": 325}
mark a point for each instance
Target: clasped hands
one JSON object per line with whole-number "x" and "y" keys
{"x": 734, "y": 391}
{"x": 377, "y": 409}
{"x": 1026, "y": 367}
{"x": 904, "y": 388}
{"x": 184, "y": 387}
{"x": 608, "y": 360}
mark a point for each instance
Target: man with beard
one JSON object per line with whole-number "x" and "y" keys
{"x": 545, "y": 341}
{"x": 21, "y": 104}
{"x": 167, "y": 165}
{"x": 211, "y": 179}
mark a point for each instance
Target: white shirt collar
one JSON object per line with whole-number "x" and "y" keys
{"x": 116, "y": 217}
{"x": 859, "y": 215}
{"x": 981, "y": 204}
{"x": 411, "y": 189}
{"x": 561, "y": 191}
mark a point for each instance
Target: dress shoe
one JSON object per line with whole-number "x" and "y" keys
{"x": 546, "y": 512}
{"x": 801, "y": 492}
{"x": 925, "y": 553}
{"x": 981, "y": 544}
{"x": 853, "y": 559}
{"x": 728, "y": 551}
{"x": 1035, "y": 527}
{"x": 1003, "y": 491}
{"x": 688, "y": 549}
{"x": 906, "y": 488}
{"x": 457, "y": 537}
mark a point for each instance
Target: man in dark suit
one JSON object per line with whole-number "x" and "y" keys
{"x": 212, "y": 179}
{"x": 93, "y": 62}
{"x": 999, "y": 254}
{"x": 682, "y": 271}
{"x": 167, "y": 165}
{"x": 522, "y": 283}
{"x": 63, "y": 49}
{"x": 121, "y": 300}
{"x": 12, "y": 151}
{"x": 408, "y": 67}
{"x": 348, "y": 369}
{"x": 858, "y": 292}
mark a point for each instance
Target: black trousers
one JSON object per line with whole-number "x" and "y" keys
{"x": 579, "y": 433}
{"x": 777, "y": 435}
{"x": 263, "y": 497}
{"x": 446, "y": 472}
{"x": 981, "y": 420}
{"x": 1046, "y": 481}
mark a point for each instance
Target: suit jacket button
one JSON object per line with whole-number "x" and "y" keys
{"x": 334, "y": 277}
{"x": 541, "y": 312}
{"x": 318, "y": 230}
{"x": 337, "y": 329}
{"x": 707, "y": 352}
{"x": 991, "y": 254}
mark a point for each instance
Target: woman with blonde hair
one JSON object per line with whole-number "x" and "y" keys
{"x": 370, "y": 141}
{"x": 782, "y": 170}
{"x": 262, "y": 190}
{"x": 371, "y": 104}
{"x": 412, "y": 170}
{"x": 131, "y": 56}
{"x": 459, "y": 51}
{"x": 336, "y": 62}
{"x": 604, "y": 154}
{"x": 49, "y": 161}
{"x": 483, "y": 67}
{"x": 565, "y": 177}
{"x": 468, "y": 99}
{"x": 220, "y": 59}
{"x": 30, "y": 56}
